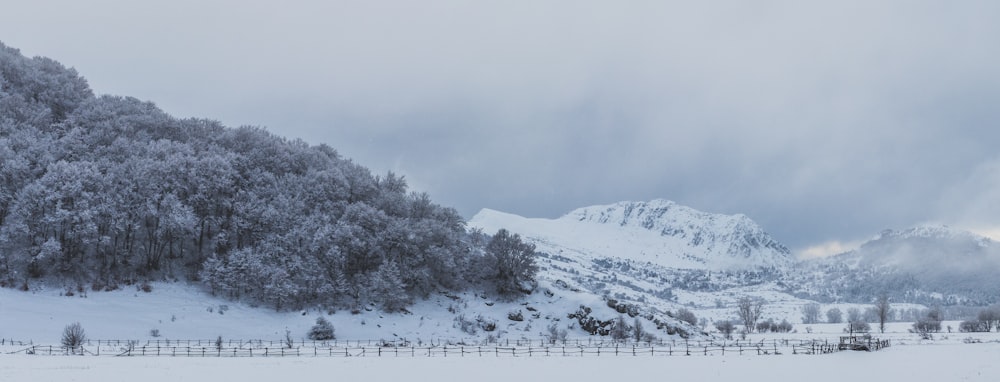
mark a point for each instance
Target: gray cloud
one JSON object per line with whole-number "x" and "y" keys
{"x": 821, "y": 121}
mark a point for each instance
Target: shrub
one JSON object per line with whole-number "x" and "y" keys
{"x": 766, "y": 326}
{"x": 927, "y": 325}
{"x": 687, "y": 316}
{"x": 620, "y": 330}
{"x": 726, "y": 328}
{"x": 487, "y": 325}
{"x": 973, "y": 326}
{"x": 857, "y": 327}
{"x": 322, "y": 331}
{"x": 555, "y": 334}
{"x": 465, "y": 325}
{"x": 784, "y": 327}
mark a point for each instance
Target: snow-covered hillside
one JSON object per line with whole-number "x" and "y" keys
{"x": 658, "y": 257}
{"x": 644, "y": 262}
{"x": 184, "y": 311}
{"x": 660, "y": 232}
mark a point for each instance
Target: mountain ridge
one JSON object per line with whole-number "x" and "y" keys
{"x": 664, "y": 232}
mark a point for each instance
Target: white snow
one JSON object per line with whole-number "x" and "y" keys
{"x": 950, "y": 362}
{"x": 181, "y": 312}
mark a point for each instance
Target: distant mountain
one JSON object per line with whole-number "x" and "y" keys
{"x": 661, "y": 249}
{"x": 923, "y": 264}
{"x": 659, "y": 231}
{"x": 928, "y": 248}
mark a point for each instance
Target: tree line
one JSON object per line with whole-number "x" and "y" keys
{"x": 100, "y": 191}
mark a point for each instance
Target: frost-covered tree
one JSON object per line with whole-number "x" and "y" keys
{"x": 990, "y": 317}
{"x": 109, "y": 189}
{"x": 73, "y": 336}
{"x": 854, "y": 315}
{"x": 810, "y": 313}
{"x": 638, "y": 333}
{"x": 687, "y": 316}
{"x": 389, "y": 288}
{"x": 854, "y": 327}
{"x": 749, "y": 310}
{"x": 834, "y": 316}
{"x": 322, "y": 331}
{"x": 511, "y": 262}
{"x": 883, "y": 310}
{"x": 619, "y": 329}
{"x": 725, "y": 327}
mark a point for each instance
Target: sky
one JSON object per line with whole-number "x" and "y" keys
{"x": 825, "y": 122}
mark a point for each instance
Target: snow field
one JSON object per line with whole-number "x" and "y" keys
{"x": 941, "y": 362}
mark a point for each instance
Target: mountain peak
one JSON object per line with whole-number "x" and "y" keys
{"x": 659, "y": 230}
{"x": 742, "y": 235}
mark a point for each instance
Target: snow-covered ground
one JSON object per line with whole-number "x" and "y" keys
{"x": 185, "y": 312}
{"x": 944, "y": 362}
{"x": 181, "y": 311}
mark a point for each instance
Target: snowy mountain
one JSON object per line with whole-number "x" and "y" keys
{"x": 655, "y": 258}
{"x": 662, "y": 255}
{"x": 929, "y": 264}
{"x": 660, "y": 231}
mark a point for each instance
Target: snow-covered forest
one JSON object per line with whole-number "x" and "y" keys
{"x": 101, "y": 191}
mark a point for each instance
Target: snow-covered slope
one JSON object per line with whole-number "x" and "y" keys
{"x": 659, "y": 231}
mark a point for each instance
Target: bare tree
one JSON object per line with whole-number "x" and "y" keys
{"x": 883, "y": 309}
{"x": 620, "y": 329}
{"x": 73, "y": 337}
{"x": 749, "y": 310}
{"x": 637, "y": 332}
{"x": 810, "y": 313}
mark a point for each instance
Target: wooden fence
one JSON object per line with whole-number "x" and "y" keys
{"x": 379, "y": 348}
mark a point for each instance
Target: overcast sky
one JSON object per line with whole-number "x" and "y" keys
{"x": 825, "y": 123}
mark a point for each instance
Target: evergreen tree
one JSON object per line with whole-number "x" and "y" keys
{"x": 322, "y": 331}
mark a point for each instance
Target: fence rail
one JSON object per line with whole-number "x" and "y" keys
{"x": 378, "y": 348}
